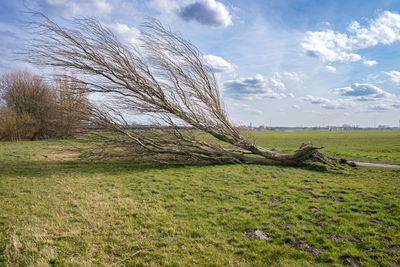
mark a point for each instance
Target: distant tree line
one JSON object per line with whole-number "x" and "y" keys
{"x": 33, "y": 109}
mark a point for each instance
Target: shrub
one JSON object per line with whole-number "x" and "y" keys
{"x": 15, "y": 126}
{"x": 54, "y": 111}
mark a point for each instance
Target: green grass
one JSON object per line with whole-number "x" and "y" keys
{"x": 368, "y": 146}
{"x": 56, "y": 209}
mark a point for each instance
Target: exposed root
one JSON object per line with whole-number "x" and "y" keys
{"x": 308, "y": 154}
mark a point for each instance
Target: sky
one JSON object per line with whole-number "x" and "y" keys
{"x": 277, "y": 62}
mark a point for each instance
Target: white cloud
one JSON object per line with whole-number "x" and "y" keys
{"x": 315, "y": 100}
{"x": 329, "y": 104}
{"x": 168, "y": 7}
{"x": 329, "y": 45}
{"x": 276, "y": 83}
{"x": 248, "y": 108}
{"x": 206, "y": 12}
{"x": 76, "y": 7}
{"x": 335, "y": 46}
{"x": 370, "y": 62}
{"x": 291, "y": 76}
{"x": 364, "y": 92}
{"x": 126, "y": 33}
{"x": 330, "y": 68}
{"x": 394, "y": 76}
{"x": 358, "y": 97}
{"x": 379, "y": 107}
{"x": 218, "y": 64}
{"x": 252, "y": 88}
{"x": 334, "y": 106}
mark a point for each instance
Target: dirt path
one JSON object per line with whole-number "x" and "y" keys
{"x": 367, "y": 164}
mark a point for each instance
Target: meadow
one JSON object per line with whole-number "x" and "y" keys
{"x": 58, "y": 209}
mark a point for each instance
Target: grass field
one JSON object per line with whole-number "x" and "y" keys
{"x": 368, "y": 146}
{"x": 56, "y": 209}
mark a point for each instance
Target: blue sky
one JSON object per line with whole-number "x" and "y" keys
{"x": 278, "y": 62}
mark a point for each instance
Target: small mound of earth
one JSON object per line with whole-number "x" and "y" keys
{"x": 257, "y": 234}
{"x": 350, "y": 261}
{"x": 320, "y": 224}
{"x": 376, "y": 221}
{"x": 314, "y": 252}
{"x": 394, "y": 247}
{"x": 334, "y": 238}
{"x": 275, "y": 200}
{"x": 314, "y": 210}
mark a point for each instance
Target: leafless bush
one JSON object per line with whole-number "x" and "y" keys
{"x": 14, "y": 127}
{"x": 53, "y": 111}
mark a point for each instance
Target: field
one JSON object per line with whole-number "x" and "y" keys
{"x": 57, "y": 209}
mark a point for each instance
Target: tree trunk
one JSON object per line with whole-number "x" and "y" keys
{"x": 305, "y": 155}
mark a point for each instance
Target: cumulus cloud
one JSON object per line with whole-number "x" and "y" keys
{"x": 364, "y": 91}
{"x": 360, "y": 97}
{"x": 334, "y": 46}
{"x": 218, "y": 64}
{"x": 276, "y": 83}
{"x": 370, "y": 62}
{"x": 330, "y": 104}
{"x": 126, "y": 33}
{"x": 206, "y": 12}
{"x": 330, "y": 68}
{"x": 77, "y": 7}
{"x": 315, "y": 100}
{"x": 251, "y": 88}
{"x": 379, "y": 107}
{"x": 291, "y": 76}
{"x": 329, "y": 45}
{"x": 394, "y": 76}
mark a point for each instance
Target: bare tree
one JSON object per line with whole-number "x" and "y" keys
{"x": 164, "y": 76}
{"x": 72, "y": 106}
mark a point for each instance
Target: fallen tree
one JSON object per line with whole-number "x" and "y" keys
{"x": 165, "y": 77}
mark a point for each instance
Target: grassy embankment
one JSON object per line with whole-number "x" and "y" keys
{"x": 56, "y": 209}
